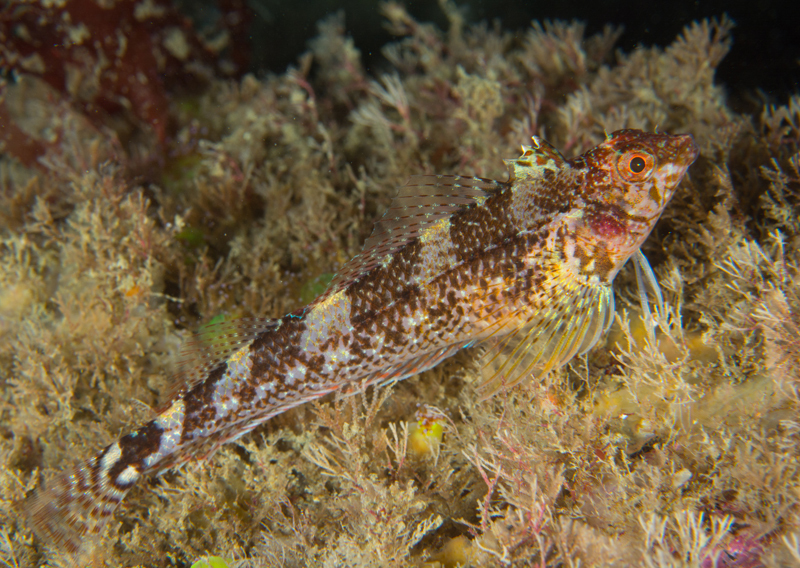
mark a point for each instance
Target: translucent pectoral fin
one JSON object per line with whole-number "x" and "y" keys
{"x": 646, "y": 281}
{"x": 548, "y": 340}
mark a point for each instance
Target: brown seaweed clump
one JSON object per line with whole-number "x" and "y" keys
{"x": 674, "y": 450}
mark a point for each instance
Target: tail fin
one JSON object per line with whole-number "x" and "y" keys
{"x": 79, "y": 501}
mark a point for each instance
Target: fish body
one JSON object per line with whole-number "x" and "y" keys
{"x": 523, "y": 266}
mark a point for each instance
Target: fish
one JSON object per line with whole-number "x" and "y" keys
{"x": 522, "y": 267}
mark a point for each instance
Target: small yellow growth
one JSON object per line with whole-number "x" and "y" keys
{"x": 212, "y": 562}
{"x": 693, "y": 343}
{"x": 425, "y": 435}
{"x": 456, "y": 552}
{"x": 423, "y": 440}
{"x": 134, "y": 290}
{"x": 619, "y": 402}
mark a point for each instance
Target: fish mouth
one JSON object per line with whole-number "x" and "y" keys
{"x": 685, "y": 148}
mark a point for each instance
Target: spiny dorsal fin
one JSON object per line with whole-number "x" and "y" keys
{"x": 422, "y": 201}
{"x": 534, "y": 161}
{"x": 211, "y": 345}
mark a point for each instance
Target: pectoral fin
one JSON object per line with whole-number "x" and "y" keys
{"x": 570, "y": 325}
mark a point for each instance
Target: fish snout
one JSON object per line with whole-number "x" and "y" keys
{"x": 686, "y": 150}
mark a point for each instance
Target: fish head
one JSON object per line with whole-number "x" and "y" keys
{"x": 627, "y": 182}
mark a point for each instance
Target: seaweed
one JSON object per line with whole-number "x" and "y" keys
{"x": 678, "y": 449}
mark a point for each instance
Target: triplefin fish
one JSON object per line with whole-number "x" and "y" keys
{"x": 523, "y": 266}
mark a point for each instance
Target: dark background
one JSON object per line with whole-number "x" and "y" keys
{"x": 764, "y": 61}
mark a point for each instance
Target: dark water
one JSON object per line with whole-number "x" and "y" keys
{"x": 765, "y": 54}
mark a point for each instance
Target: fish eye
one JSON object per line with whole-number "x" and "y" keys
{"x": 635, "y": 166}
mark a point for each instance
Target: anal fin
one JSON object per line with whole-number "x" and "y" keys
{"x": 409, "y": 367}
{"x": 420, "y": 364}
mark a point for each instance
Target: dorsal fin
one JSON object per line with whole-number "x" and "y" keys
{"x": 534, "y": 161}
{"x": 211, "y": 345}
{"x": 422, "y": 201}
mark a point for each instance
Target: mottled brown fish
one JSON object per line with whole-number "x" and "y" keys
{"x": 523, "y": 266}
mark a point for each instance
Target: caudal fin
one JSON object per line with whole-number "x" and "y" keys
{"x": 76, "y": 503}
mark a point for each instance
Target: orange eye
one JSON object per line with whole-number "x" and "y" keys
{"x": 635, "y": 166}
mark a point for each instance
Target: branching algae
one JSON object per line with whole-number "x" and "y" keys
{"x": 525, "y": 265}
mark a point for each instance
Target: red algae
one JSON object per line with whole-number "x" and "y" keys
{"x": 115, "y": 57}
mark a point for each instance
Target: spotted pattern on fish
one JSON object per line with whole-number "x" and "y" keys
{"x": 524, "y": 266}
